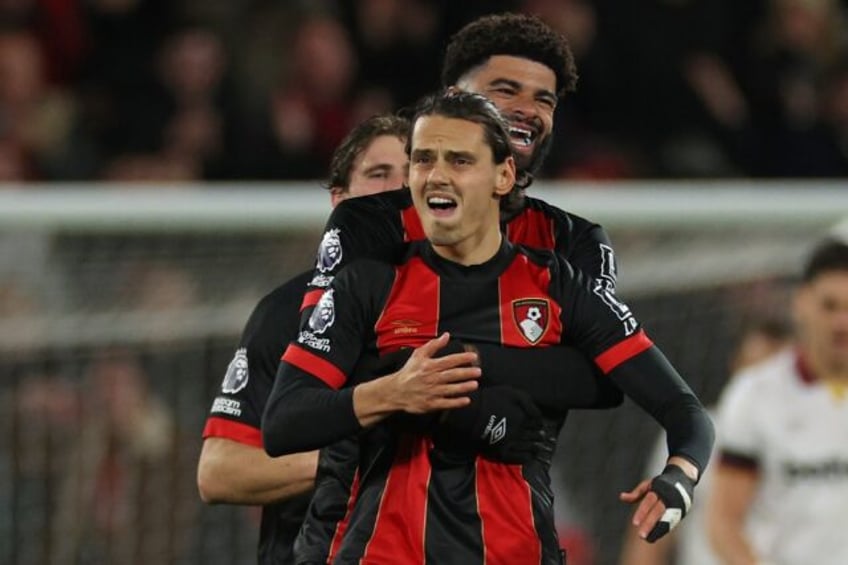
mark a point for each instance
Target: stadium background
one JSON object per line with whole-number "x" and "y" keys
{"x": 147, "y": 156}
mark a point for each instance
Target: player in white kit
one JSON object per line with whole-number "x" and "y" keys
{"x": 780, "y": 493}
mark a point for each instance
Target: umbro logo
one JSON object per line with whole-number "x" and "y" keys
{"x": 405, "y": 326}
{"x": 495, "y": 430}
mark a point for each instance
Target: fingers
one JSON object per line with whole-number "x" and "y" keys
{"x": 648, "y": 514}
{"x": 432, "y": 347}
{"x": 638, "y": 492}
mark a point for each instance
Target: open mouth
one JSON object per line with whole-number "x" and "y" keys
{"x": 521, "y": 136}
{"x": 441, "y": 205}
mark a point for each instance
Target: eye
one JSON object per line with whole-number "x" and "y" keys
{"x": 382, "y": 174}
{"x": 421, "y": 160}
{"x": 504, "y": 90}
{"x": 547, "y": 103}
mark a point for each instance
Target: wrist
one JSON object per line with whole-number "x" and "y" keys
{"x": 688, "y": 468}
{"x": 374, "y": 400}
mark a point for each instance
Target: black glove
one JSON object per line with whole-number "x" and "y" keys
{"x": 501, "y": 423}
{"x": 676, "y": 490}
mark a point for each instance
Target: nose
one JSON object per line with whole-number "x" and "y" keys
{"x": 438, "y": 174}
{"x": 524, "y": 106}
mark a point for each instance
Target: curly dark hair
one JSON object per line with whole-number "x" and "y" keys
{"x": 520, "y": 35}
{"x": 341, "y": 165}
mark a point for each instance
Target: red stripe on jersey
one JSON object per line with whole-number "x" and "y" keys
{"x": 523, "y": 285}
{"x": 622, "y": 351}
{"x": 314, "y": 365}
{"x": 410, "y": 315}
{"x": 341, "y": 527}
{"x": 311, "y": 298}
{"x": 398, "y": 536}
{"x": 412, "y": 228}
{"x": 505, "y": 505}
{"x": 532, "y": 228}
{"x": 236, "y": 431}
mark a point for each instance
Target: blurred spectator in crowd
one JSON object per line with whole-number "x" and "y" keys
{"x": 688, "y": 544}
{"x": 39, "y": 417}
{"x": 792, "y": 53}
{"x": 316, "y": 105}
{"x": 583, "y": 145}
{"x": 37, "y": 121}
{"x": 780, "y": 485}
{"x": 123, "y": 498}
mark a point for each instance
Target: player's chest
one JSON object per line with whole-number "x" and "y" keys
{"x": 512, "y": 309}
{"x": 808, "y": 440}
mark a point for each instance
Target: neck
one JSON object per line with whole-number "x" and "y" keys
{"x": 473, "y": 250}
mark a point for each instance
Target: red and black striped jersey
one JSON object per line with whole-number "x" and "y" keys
{"x": 421, "y": 505}
{"x": 368, "y": 227}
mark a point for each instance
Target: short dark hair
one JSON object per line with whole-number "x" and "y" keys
{"x": 472, "y": 107}
{"x": 520, "y": 35}
{"x": 828, "y": 256}
{"x": 357, "y": 140}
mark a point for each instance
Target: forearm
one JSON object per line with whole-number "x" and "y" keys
{"x": 732, "y": 494}
{"x": 235, "y": 473}
{"x": 653, "y": 384}
{"x": 373, "y": 401}
{"x": 304, "y": 414}
{"x": 730, "y": 543}
{"x": 558, "y": 378}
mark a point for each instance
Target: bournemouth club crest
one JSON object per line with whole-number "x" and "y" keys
{"x": 532, "y": 316}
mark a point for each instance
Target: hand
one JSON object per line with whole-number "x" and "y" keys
{"x": 431, "y": 380}
{"x": 501, "y": 422}
{"x": 665, "y": 500}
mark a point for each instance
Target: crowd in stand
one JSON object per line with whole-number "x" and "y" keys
{"x": 188, "y": 90}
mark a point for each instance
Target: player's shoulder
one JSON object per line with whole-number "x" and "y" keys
{"x": 572, "y": 221}
{"x": 282, "y": 303}
{"x": 387, "y": 203}
{"x": 384, "y": 260}
{"x": 536, "y": 255}
{"x": 767, "y": 378}
{"x": 283, "y": 296}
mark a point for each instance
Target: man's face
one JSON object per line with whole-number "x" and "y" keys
{"x": 380, "y": 167}
{"x": 455, "y": 183}
{"x": 821, "y": 311}
{"x": 525, "y": 93}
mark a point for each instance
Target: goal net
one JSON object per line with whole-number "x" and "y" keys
{"x": 120, "y": 308}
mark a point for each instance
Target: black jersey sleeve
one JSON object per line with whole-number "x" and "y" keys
{"x": 606, "y": 329}
{"x": 358, "y": 228}
{"x": 539, "y": 371}
{"x": 655, "y": 385}
{"x": 309, "y": 406}
{"x": 236, "y": 411}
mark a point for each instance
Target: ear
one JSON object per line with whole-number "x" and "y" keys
{"x": 337, "y": 194}
{"x": 505, "y": 179}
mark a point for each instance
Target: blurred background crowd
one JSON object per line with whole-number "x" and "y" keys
{"x": 173, "y": 90}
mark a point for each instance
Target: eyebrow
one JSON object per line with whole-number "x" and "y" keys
{"x": 377, "y": 168}
{"x": 542, "y": 92}
{"x": 460, "y": 154}
{"x": 449, "y": 154}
